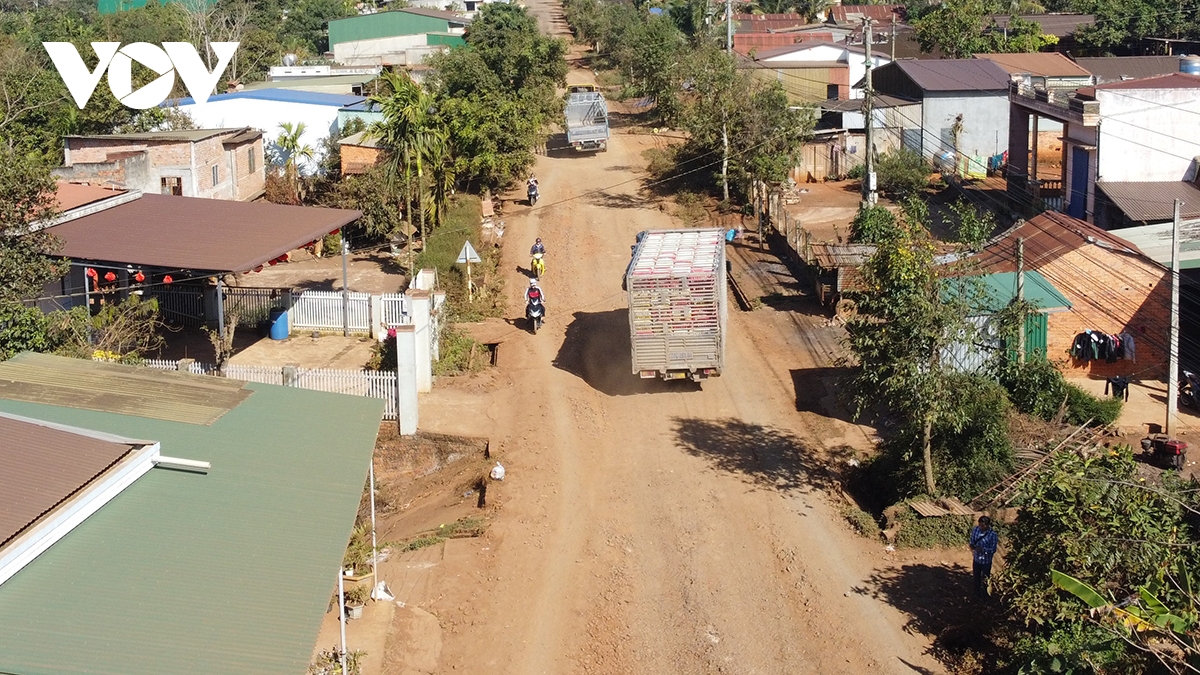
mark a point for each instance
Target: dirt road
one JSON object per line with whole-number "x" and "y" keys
{"x": 648, "y": 528}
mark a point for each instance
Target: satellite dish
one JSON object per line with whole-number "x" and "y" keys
{"x": 289, "y": 59}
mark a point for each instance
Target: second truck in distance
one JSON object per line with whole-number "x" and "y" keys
{"x": 677, "y": 310}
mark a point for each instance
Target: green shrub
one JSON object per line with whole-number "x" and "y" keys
{"x": 919, "y": 532}
{"x": 901, "y": 173}
{"x": 459, "y": 352}
{"x": 862, "y": 522}
{"x": 872, "y": 225}
{"x": 1082, "y": 406}
{"x": 856, "y": 172}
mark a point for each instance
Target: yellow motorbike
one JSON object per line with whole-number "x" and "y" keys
{"x": 537, "y": 265}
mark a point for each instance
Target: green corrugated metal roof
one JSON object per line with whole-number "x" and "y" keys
{"x": 999, "y": 289}
{"x": 382, "y": 25}
{"x": 444, "y": 39}
{"x": 228, "y": 572}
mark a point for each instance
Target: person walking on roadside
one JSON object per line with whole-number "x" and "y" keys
{"x": 984, "y": 541}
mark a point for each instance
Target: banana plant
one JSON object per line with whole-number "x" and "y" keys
{"x": 1140, "y": 612}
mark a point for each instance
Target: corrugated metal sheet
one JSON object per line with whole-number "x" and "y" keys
{"x": 973, "y": 75}
{"x": 1048, "y": 237}
{"x": 406, "y": 21}
{"x": 1153, "y": 201}
{"x": 110, "y": 387}
{"x": 1116, "y": 68}
{"x": 227, "y": 572}
{"x": 41, "y": 467}
{"x": 1044, "y": 64}
{"x": 73, "y": 195}
{"x": 197, "y": 234}
{"x": 830, "y": 256}
{"x": 1059, "y": 25}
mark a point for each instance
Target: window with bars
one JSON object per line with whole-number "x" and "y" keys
{"x": 250, "y": 158}
{"x": 216, "y": 175}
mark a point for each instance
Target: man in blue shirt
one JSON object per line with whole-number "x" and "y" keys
{"x": 984, "y": 541}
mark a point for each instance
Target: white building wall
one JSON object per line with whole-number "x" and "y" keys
{"x": 984, "y": 127}
{"x": 378, "y": 51}
{"x": 830, "y": 53}
{"x": 1149, "y": 134}
{"x": 319, "y": 120}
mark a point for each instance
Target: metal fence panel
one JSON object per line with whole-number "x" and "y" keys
{"x": 252, "y": 306}
{"x": 323, "y": 310}
{"x": 396, "y": 311}
{"x": 182, "y": 305}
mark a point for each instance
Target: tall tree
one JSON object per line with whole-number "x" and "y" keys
{"x": 290, "y": 150}
{"x": 905, "y": 320}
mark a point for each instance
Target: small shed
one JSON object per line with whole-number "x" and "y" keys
{"x": 838, "y": 269}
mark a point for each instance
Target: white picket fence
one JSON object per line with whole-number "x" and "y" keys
{"x": 323, "y": 310}
{"x": 395, "y": 310}
{"x": 379, "y": 384}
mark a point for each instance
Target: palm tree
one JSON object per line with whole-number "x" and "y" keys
{"x": 405, "y": 132}
{"x": 291, "y": 151}
{"x": 442, "y": 175}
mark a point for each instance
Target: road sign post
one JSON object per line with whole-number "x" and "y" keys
{"x": 468, "y": 256}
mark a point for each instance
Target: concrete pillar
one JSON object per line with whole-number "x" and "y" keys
{"x": 287, "y": 300}
{"x": 376, "y": 314}
{"x": 426, "y": 279}
{"x": 184, "y": 365}
{"x": 439, "y": 302}
{"x": 291, "y": 376}
{"x": 421, "y": 316}
{"x": 406, "y": 380}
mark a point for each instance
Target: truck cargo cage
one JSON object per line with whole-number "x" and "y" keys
{"x": 587, "y": 120}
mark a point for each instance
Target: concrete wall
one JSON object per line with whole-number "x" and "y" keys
{"x": 856, "y": 62}
{"x": 1111, "y": 293}
{"x": 402, "y": 50}
{"x": 984, "y": 127}
{"x": 319, "y": 120}
{"x": 1148, "y": 135}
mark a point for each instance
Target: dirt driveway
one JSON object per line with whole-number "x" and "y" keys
{"x": 647, "y": 528}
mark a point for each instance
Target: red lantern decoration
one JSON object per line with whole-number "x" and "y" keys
{"x": 139, "y": 277}
{"x": 110, "y": 277}
{"x": 91, "y": 272}
{"x": 167, "y": 279}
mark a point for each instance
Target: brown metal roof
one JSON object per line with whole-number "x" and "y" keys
{"x": 197, "y": 234}
{"x": 184, "y": 135}
{"x": 42, "y": 467}
{"x": 114, "y": 388}
{"x": 243, "y": 136}
{"x": 1048, "y": 237}
{"x": 1059, "y": 25}
{"x": 1044, "y": 64}
{"x": 73, "y": 195}
{"x": 841, "y": 14}
{"x": 954, "y": 74}
{"x": 1117, "y": 68}
{"x": 1169, "y": 81}
{"x": 1151, "y": 201}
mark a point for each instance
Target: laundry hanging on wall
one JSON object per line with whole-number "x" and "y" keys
{"x": 1093, "y": 345}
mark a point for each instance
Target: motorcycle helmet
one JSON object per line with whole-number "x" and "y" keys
{"x": 533, "y": 282}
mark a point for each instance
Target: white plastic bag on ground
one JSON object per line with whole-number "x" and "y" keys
{"x": 382, "y": 592}
{"x": 498, "y": 472}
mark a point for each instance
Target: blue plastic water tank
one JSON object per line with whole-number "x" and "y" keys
{"x": 1190, "y": 65}
{"x": 279, "y": 324}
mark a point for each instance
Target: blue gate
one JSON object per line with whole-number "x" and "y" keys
{"x": 1077, "y": 208}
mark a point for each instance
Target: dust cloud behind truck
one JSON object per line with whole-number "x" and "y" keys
{"x": 677, "y": 304}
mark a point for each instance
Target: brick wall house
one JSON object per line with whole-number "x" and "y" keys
{"x": 1111, "y": 285}
{"x": 358, "y": 154}
{"x": 211, "y": 163}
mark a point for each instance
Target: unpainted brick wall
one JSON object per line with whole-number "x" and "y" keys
{"x": 1110, "y": 292}
{"x": 358, "y": 158}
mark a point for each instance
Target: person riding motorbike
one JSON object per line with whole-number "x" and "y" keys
{"x": 531, "y": 189}
{"x": 538, "y": 247}
{"x": 534, "y": 292}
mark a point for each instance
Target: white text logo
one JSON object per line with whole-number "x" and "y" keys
{"x": 171, "y": 58}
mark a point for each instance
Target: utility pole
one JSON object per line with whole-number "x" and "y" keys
{"x": 725, "y": 123}
{"x": 892, "y": 43}
{"x": 1173, "y": 372}
{"x": 729, "y": 25}
{"x": 1021, "y": 297}
{"x": 869, "y": 197}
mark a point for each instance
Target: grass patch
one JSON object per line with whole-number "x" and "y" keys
{"x": 460, "y": 353}
{"x": 660, "y": 162}
{"x": 690, "y": 207}
{"x": 464, "y": 223}
{"x": 471, "y": 526}
{"x": 861, "y": 521}
{"x": 918, "y": 532}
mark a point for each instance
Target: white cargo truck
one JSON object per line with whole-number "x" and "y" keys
{"x": 677, "y": 304}
{"x": 587, "y": 118}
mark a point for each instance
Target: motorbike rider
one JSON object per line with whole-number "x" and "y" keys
{"x": 538, "y": 247}
{"x": 531, "y": 185}
{"x": 535, "y": 292}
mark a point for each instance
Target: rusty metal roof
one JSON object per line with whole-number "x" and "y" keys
{"x": 1048, "y": 237}
{"x": 41, "y": 467}
{"x": 1150, "y": 201}
{"x": 197, "y": 234}
{"x": 830, "y": 256}
{"x": 1044, "y": 64}
{"x": 841, "y": 14}
{"x": 114, "y": 388}
{"x": 1060, "y": 25}
{"x": 1167, "y": 81}
{"x": 69, "y": 196}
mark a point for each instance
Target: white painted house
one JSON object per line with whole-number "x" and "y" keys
{"x": 850, "y": 59}
{"x": 267, "y": 109}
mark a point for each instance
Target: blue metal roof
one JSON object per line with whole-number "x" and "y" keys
{"x": 284, "y": 95}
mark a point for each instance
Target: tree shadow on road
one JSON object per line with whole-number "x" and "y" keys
{"x": 596, "y": 349}
{"x": 765, "y": 456}
{"x": 939, "y": 602}
{"x": 616, "y": 200}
